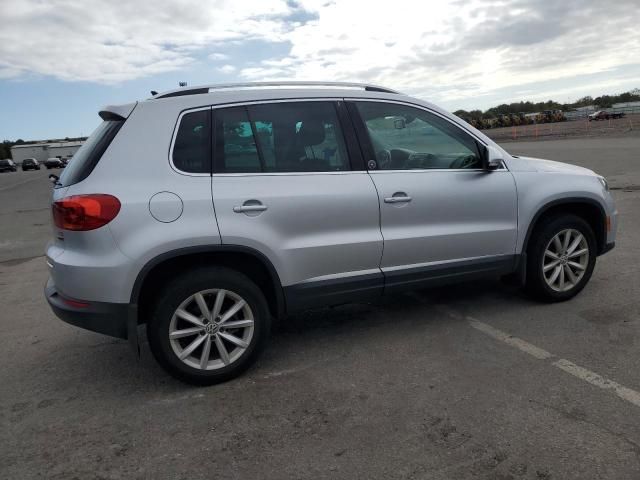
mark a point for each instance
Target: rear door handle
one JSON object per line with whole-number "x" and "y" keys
{"x": 250, "y": 208}
{"x": 398, "y": 197}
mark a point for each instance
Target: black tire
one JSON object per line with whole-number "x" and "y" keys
{"x": 181, "y": 288}
{"x": 536, "y": 285}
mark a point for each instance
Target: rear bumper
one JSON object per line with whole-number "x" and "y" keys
{"x": 113, "y": 319}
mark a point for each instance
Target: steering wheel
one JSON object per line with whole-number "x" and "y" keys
{"x": 464, "y": 161}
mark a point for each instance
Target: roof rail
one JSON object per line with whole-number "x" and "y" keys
{"x": 285, "y": 84}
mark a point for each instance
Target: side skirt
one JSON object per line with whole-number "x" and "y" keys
{"x": 445, "y": 274}
{"x": 303, "y": 296}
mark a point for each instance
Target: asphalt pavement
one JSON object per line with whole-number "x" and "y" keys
{"x": 463, "y": 382}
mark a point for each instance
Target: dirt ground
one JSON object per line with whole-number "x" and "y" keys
{"x": 626, "y": 126}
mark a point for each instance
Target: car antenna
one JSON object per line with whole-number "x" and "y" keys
{"x": 153, "y": 93}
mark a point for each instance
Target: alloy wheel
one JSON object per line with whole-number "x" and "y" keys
{"x": 565, "y": 260}
{"x": 211, "y": 329}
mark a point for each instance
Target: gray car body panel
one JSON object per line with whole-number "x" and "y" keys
{"x": 318, "y": 227}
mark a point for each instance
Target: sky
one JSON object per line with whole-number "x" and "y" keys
{"x": 61, "y": 60}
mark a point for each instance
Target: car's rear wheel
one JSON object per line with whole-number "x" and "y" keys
{"x": 208, "y": 325}
{"x": 561, "y": 258}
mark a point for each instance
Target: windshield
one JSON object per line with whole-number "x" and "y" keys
{"x": 88, "y": 156}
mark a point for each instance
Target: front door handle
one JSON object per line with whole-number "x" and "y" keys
{"x": 398, "y": 197}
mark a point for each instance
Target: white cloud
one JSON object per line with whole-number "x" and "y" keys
{"x": 444, "y": 50}
{"x": 227, "y": 69}
{"x": 458, "y": 49}
{"x": 111, "y": 41}
{"x": 217, "y": 56}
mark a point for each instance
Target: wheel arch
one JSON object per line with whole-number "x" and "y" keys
{"x": 587, "y": 208}
{"x": 243, "y": 259}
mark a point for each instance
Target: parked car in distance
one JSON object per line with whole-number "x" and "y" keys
{"x": 53, "y": 162}
{"x": 30, "y": 164}
{"x": 7, "y": 165}
{"x": 279, "y": 197}
{"x": 65, "y": 161}
{"x": 603, "y": 115}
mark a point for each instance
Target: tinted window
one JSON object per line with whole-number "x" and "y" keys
{"x": 406, "y": 138}
{"x": 4, "y": 162}
{"x": 89, "y": 154}
{"x": 280, "y": 137}
{"x": 192, "y": 147}
{"x": 235, "y": 143}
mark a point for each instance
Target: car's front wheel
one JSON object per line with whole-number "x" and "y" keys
{"x": 561, "y": 258}
{"x": 208, "y": 325}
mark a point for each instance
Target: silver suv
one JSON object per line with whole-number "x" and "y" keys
{"x": 205, "y": 212}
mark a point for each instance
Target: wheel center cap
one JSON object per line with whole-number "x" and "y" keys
{"x": 564, "y": 259}
{"x": 211, "y": 328}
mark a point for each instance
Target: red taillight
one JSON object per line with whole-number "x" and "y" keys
{"x": 85, "y": 212}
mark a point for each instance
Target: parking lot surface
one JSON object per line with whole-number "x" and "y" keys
{"x": 468, "y": 381}
{"x": 627, "y": 126}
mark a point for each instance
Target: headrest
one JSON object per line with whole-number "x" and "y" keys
{"x": 311, "y": 132}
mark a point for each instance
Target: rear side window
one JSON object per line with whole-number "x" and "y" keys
{"x": 192, "y": 147}
{"x": 88, "y": 156}
{"x": 236, "y": 149}
{"x": 280, "y": 137}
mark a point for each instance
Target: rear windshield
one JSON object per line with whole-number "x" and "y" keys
{"x": 88, "y": 156}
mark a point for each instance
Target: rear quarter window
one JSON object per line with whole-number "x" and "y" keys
{"x": 192, "y": 145}
{"x": 88, "y": 156}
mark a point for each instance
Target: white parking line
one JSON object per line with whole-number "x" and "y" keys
{"x": 520, "y": 344}
{"x": 571, "y": 368}
{"x": 594, "y": 379}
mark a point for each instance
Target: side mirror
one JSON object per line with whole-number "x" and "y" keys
{"x": 492, "y": 158}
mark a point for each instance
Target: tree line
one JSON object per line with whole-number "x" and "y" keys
{"x": 604, "y": 101}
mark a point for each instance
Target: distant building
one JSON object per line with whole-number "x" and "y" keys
{"x": 42, "y": 150}
{"x": 626, "y": 105}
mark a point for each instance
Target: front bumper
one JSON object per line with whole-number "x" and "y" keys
{"x": 113, "y": 319}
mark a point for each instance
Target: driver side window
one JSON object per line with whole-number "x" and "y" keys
{"x": 407, "y": 138}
